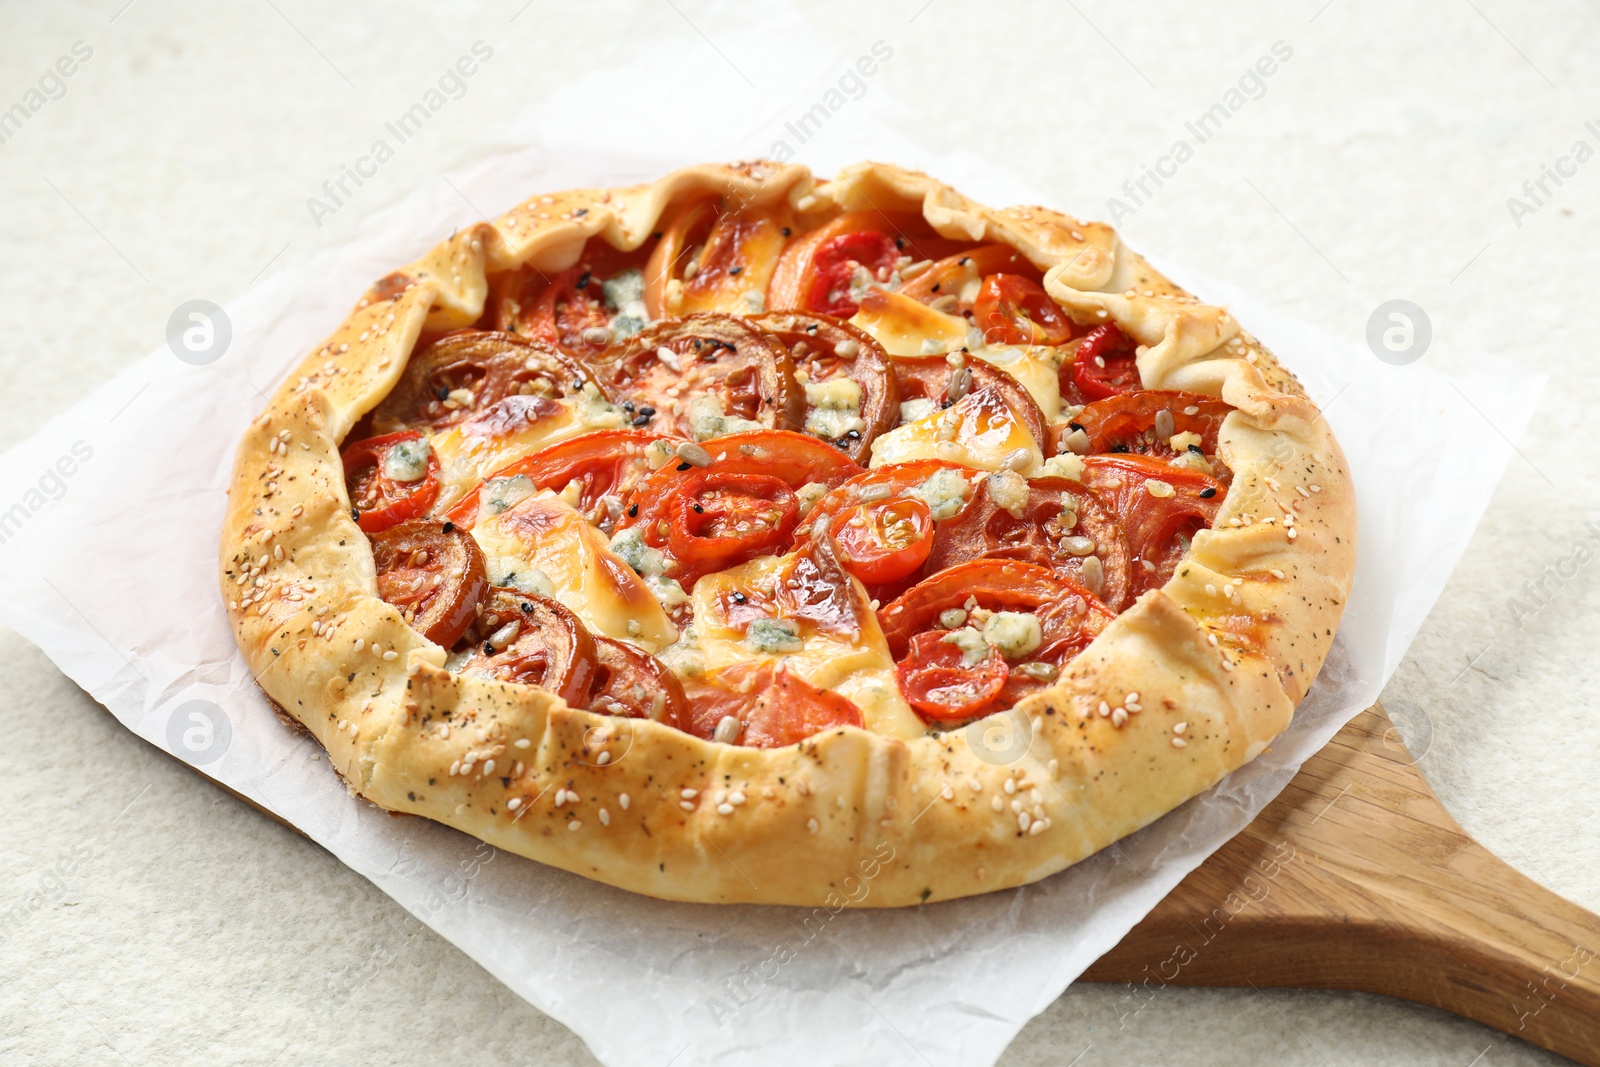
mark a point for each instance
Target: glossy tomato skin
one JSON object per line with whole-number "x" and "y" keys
{"x": 1103, "y": 366}
{"x": 1014, "y": 310}
{"x": 836, "y": 262}
{"x": 604, "y": 463}
{"x": 1127, "y": 422}
{"x": 568, "y": 307}
{"x": 1157, "y": 527}
{"x": 432, "y": 572}
{"x": 381, "y": 501}
{"x": 951, "y": 276}
{"x": 934, "y": 378}
{"x": 884, "y": 541}
{"x": 940, "y": 686}
{"x": 533, "y": 640}
{"x": 632, "y": 683}
{"x": 720, "y": 519}
{"x": 772, "y": 705}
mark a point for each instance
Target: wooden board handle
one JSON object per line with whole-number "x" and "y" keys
{"x": 1356, "y": 878}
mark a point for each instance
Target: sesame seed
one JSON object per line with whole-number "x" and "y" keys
{"x": 736, "y": 797}
{"x": 514, "y": 803}
{"x": 1024, "y": 820}
{"x": 1178, "y": 742}
{"x": 1011, "y": 786}
{"x": 812, "y": 825}
{"x": 725, "y": 809}
{"x": 686, "y": 805}
{"x": 1179, "y": 727}
{"x": 996, "y": 803}
{"x": 1038, "y": 827}
{"x": 689, "y": 794}
{"x": 605, "y": 817}
{"x": 391, "y": 655}
{"x": 947, "y": 793}
{"x": 603, "y": 759}
{"x": 488, "y": 768}
{"x": 1276, "y": 573}
{"x": 1118, "y": 717}
{"x": 622, "y": 801}
{"x": 575, "y": 824}
{"x": 361, "y": 642}
{"x": 1105, "y": 710}
{"x": 1053, "y": 768}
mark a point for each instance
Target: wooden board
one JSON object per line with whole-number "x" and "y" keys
{"x": 1356, "y": 878}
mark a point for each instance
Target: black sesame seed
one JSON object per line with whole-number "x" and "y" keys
{"x": 355, "y": 513}
{"x": 641, "y": 420}
{"x": 685, "y": 466}
{"x": 854, "y": 435}
{"x": 1208, "y": 492}
{"x": 1197, "y": 450}
{"x": 527, "y": 607}
{"x": 899, "y": 243}
{"x": 786, "y": 231}
{"x": 646, "y": 409}
{"x": 698, "y": 510}
{"x": 633, "y": 511}
{"x": 1076, "y": 426}
{"x": 627, "y": 405}
{"x": 488, "y": 649}
{"x": 449, "y": 526}
{"x": 734, "y": 270}
{"x": 935, "y": 287}
{"x": 578, "y": 214}
{"x": 443, "y": 392}
{"x": 739, "y": 598}
{"x": 1119, "y": 448}
{"x": 583, "y": 280}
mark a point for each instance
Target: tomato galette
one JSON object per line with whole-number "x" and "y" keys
{"x": 748, "y": 537}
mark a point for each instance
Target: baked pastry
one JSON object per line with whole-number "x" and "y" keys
{"x": 748, "y": 537}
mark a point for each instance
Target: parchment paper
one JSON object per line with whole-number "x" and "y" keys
{"x": 109, "y": 521}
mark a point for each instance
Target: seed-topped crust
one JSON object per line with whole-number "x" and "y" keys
{"x": 1190, "y": 682}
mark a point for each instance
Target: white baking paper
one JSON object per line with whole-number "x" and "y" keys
{"x": 109, "y": 521}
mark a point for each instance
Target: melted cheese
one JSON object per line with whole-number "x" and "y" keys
{"x": 543, "y": 540}
{"x": 1036, "y": 367}
{"x": 979, "y": 431}
{"x": 907, "y": 327}
{"x": 860, "y": 670}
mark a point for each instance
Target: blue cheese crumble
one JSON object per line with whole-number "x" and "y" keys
{"x": 407, "y": 461}
{"x": 944, "y": 492}
{"x": 773, "y": 636}
{"x": 624, "y": 297}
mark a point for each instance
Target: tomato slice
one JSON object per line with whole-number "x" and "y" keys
{"x": 432, "y": 572}
{"x": 939, "y": 684}
{"x": 384, "y": 485}
{"x": 1103, "y": 366}
{"x": 606, "y": 463}
{"x": 1061, "y": 525}
{"x": 953, "y": 275}
{"x": 717, "y": 520}
{"x": 1158, "y": 528}
{"x": 1013, "y": 310}
{"x": 689, "y": 375}
{"x": 1131, "y": 422}
{"x": 466, "y": 372}
{"x": 571, "y": 314}
{"x": 892, "y": 481}
{"x": 823, "y": 349}
{"x": 711, "y": 254}
{"x": 521, "y": 637}
{"x": 1070, "y": 615}
{"x": 834, "y": 267}
{"x": 771, "y": 705}
{"x": 632, "y": 683}
{"x": 884, "y": 541}
{"x": 811, "y": 588}
{"x": 799, "y": 459}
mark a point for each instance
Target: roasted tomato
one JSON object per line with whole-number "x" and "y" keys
{"x": 709, "y": 519}
{"x": 826, "y": 349}
{"x": 710, "y": 255}
{"x": 816, "y": 269}
{"x": 633, "y": 683}
{"x": 1158, "y": 527}
{"x": 605, "y": 464}
{"x": 1013, "y": 310}
{"x": 1103, "y": 365}
{"x": 434, "y": 574}
{"x": 390, "y": 479}
{"x": 1068, "y": 615}
{"x": 520, "y": 637}
{"x": 693, "y": 375}
{"x": 1060, "y": 525}
{"x": 571, "y": 314}
{"x": 936, "y": 679}
{"x": 464, "y": 373}
{"x": 955, "y": 280}
{"x": 812, "y": 589}
{"x": 1145, "y": 422}
{"x": 892, "y": 481}
{"x": 797, "y": 458}
{"x": 883, "y": 541}
{"x": 933, "y": 378}
{"x": 765, "y": 706}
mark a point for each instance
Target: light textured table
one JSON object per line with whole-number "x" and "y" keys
{"x": 161, "y": 921}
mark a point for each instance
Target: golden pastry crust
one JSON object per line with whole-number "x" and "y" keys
{"x": 1216, "y": 660}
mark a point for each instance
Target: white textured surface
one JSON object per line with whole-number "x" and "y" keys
{"x": 191, "y": 928}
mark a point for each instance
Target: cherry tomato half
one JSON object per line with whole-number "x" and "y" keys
{"x": 938, "y": 683}
{"x": 1013, "y": 310}
{"x": 1104, "y": 366}
{"x": 885, "y": 540}
{"x": 720, "y": 519}
{"x": 382, "y": 499}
